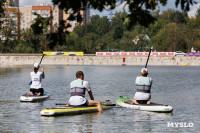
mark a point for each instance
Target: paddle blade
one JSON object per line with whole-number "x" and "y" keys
{"x": 30, "y": 83}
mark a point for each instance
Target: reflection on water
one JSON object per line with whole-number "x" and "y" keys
{"x": 175, "y": 86}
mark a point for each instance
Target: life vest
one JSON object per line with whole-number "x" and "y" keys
{"x": 143, "y": 84}
{"x": 77, "y": 88}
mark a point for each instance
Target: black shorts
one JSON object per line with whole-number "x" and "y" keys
{"x": 40, "y": 90}
{"x": 85, "y": 104}
{"x": 142, "y": 101}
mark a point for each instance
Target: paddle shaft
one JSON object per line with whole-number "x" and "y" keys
{"x": 148, "y": 56}
{"x": 41, "y": 59}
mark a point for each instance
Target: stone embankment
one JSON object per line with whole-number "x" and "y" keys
{"x": 28, "y": 59}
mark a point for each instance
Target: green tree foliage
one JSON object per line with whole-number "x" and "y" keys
{"x": 1, "y": 6}
{"x": 172, "y": 16}
{"x": 117, "y": 25}
{"x": 40, "y": 29}
{"x": 88, "y": 43}
{"x": 198, "y": 13}
{"x": 139, "y": 10}
{"x": 97, "y": 25}
{"x": 169, "y": 38}
{"x": 168, "y": 33}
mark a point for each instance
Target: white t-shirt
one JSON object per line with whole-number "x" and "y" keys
{"x": 79, "y": 100}
{"x": 36, "y": 79}
{"x": 142, "y": 95}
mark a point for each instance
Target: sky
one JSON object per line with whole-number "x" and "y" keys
{"x": 170, "y": 4}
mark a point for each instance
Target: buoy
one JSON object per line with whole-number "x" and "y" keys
{"x": 67, "y": 64}
{"x": 185, "y": 64}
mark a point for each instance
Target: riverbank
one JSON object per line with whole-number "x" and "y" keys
{"x": 28, "y": 59}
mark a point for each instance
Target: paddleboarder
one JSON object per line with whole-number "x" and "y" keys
{"x": 77, "y": 93}
{"x": 143, "y": 88}
{"x": 36, "y": 78}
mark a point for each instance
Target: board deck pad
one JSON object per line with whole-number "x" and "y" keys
{"x": 152, "y": 107}
{"x": 143, "y": 104}
{"x": 74, "y": 110}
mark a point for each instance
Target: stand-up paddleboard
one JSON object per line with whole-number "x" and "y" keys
{"x": 34, "y": 98}
{"x": 153, "y": 107}
{"x": 74, "y": 110}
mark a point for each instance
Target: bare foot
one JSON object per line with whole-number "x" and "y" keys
{"x": 67, "y": 104}
{"x": 134, "y": 101}
{"x": 148, "y": 102}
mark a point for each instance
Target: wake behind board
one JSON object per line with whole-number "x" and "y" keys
{"x": 73, "y": 110}
{"x": 153, "y": 107}
{"x": 34, "y": 98}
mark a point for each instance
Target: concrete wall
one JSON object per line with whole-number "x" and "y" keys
{"x": 99, "y": 60}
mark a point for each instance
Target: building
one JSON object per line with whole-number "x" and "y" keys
{"x": 85, "y": 19}
{"x": 10, "y": 20}
{"x": 28, "y": 15}
{"x": 86, "y": 15}
{"x": 12, "y": 3}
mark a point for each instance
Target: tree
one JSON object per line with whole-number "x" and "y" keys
{"x": 118, "y": 26}
{"x": 40, "y": 30}
{"x": 98, "y": 25}
{"x": 170, "y": 38}
{"x": 88, "y": 43}
{"x": 1, "y": 7}
{"x": 7, "y": 33}
{"x": 174, "y": 16}
{"x": 139, "y": 10}
{"x": 198, "y": 13}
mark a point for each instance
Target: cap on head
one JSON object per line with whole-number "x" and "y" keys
{"x": 144, "y": 71}
{"x": 36, "y": 65}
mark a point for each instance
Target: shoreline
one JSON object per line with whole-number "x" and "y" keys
{"x": 29, "y": 59}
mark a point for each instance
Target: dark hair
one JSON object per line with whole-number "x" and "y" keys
{"x": 79, "y": 74}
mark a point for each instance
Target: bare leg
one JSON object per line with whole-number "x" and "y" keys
{"x": 148, "y": 102}
{"x": 134, "y": 101}
{"x": 98, "y": 104}
{"x": 39, "y": 94}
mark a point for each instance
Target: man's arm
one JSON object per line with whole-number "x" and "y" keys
{"x": 87, "y": 86}
{"x": 91, "y": 95}
{"x": 42, "y": 75}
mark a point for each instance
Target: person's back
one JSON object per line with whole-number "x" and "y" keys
{"x": 77, "y": 93}
{"x": 143, "y": 88}
{"x": 36, "y": 78}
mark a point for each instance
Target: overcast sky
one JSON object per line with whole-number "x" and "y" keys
{"x": 170, "y": 4}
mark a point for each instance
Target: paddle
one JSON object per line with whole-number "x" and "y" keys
{"x": 148, "y": 56}
{"x": 38, "y": 68}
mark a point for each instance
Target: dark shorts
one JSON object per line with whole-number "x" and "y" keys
{"x": 40, "y": 90}
{"x": 142, "y": 101}
{"x": 85, "y": 104}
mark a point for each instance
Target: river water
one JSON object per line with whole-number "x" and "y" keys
{"x": 172, "y": 85}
